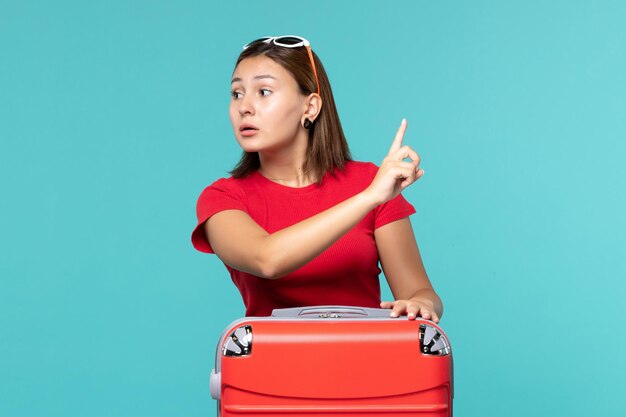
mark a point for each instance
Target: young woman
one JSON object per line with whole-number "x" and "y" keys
{"x": 299, "y": 223}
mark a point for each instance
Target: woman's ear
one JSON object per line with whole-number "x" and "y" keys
{"x": 313, "y": 106}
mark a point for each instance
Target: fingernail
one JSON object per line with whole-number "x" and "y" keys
{"x": 403, "y": 121}
{"x": 393, "y": 315}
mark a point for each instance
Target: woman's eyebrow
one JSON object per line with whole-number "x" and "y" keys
{"x": 258, "y": 77}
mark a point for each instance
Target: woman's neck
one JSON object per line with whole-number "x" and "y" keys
{"x": 290, "y": 176}
{"x": 286, "y": 167}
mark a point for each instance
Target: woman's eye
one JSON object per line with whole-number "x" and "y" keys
{"x": 265, "y": 90}
{"x": 235, "y": 94}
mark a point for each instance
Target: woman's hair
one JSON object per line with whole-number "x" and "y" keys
{"x": 327, "y": 147}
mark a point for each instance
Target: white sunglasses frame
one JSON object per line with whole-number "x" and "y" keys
{"x": 268, "y": 39}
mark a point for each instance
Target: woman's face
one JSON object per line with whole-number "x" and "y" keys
{"x": 266, "y": 97}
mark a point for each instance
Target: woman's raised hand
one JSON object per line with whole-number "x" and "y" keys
{"x": 395, "y": 174}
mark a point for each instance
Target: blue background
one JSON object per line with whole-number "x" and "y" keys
{"x": 113, "y": 117}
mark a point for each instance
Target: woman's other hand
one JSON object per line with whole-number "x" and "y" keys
{"x": 395, "y": 174}
{"x": 412, "y": 307}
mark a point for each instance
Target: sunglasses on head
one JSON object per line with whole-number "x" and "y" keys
{"x": 290, "y": 41}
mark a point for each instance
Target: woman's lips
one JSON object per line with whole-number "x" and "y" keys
{"x": 249, "y": 132}
{"x": 248, "y": 129}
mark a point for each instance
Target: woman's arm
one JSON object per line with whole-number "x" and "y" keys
{"x": 244, "y": 245}
{"x": 405, "y": 273}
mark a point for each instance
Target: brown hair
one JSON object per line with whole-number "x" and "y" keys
{"x": 328, "y": 148}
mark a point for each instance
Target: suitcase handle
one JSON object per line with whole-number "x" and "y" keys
{"x": 331, "y": 312}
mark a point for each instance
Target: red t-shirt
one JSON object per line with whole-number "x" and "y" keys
{"x": 344, "y": 274}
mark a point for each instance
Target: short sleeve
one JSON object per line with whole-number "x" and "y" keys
{"x": 395, "y": 209}
{"x": 222, "y": 195}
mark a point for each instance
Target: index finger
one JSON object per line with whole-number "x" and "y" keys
{"x": 397, "y": 140}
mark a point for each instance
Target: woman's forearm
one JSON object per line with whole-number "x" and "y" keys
{"x": 291, "y": 248}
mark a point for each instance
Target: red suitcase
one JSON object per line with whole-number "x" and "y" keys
{"x": 333, "y": 361}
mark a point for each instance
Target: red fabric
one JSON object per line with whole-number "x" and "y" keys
{"x": 344, "y": 274}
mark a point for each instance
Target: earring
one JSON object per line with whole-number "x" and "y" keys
{"x": 307, "y": 123}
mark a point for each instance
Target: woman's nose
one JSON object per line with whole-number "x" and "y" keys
{"x": 246, "y": 106}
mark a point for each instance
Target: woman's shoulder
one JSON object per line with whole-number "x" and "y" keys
{"x": 224, "y": 185}
{"x": 354, "y": 175}
{"x": 359, "y": 168}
